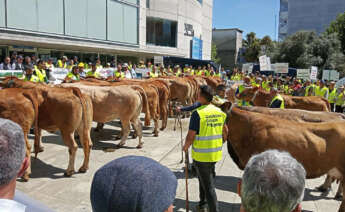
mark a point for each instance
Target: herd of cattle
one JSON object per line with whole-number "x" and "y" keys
{"x": 306, "y": 129}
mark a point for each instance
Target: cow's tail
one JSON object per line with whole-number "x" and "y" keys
{"x": 36, "y": 129}
{"x": 327, "y": 104}
{"x": 77, "y": 92}
{"x": 145, "y": 104}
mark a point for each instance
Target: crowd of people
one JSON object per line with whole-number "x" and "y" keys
{"x": 291, "y": 86}
{"x": 38, "y": 70}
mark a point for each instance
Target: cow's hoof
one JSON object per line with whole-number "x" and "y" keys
{"x": 25, "y": 178}
{"x": 163, "y": 128}
{"x": 68, "y": 173}
{"x": 41, "y": 149}
{"x": 83, "y": 170}
{"x": 140, "y": 146}
{"x": 155, "y": 134}
{"x": 338, "y": 197}
{"x": 322, "y": 189}
{"x": 120, "y": 145}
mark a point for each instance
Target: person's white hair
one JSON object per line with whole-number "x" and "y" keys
{"x": 12, "y": 150}
{"x": 272, "y": 181}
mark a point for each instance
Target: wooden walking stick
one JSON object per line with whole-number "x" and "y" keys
{"x": 186, "y": 175}
{"x": 180, "y": 123}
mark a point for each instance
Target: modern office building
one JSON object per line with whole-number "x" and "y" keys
{"x": 307, "y": 15}
{"x": 229, "y": 43}
{"x": 137, "y": 29}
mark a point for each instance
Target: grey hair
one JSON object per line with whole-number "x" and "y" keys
{"x": 273, "y": 181}
{"x": 12, "y": 150}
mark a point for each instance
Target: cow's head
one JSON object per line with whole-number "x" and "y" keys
{"x": 9, "y": 82}
{"x": 248, "y": 93}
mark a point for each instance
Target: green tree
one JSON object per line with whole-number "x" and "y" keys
{"x": 338, "y": 27}
{"x": 214, "y": 56}
{"x": 252, "y": 47}
{"x": 305, "y": 49}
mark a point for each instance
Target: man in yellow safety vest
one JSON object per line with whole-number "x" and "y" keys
{"x": 277, "y": 100}
{"x": 29, "y": 74}
{"x": 340, "y": 100}
{"x": 322, "y": 91}
{"x": 207, "y": 129}
{"x": 332, "y": 97}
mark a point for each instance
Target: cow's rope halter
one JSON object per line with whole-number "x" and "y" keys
{"x": 254, "y": 97}
{"x": 230, "y": 109}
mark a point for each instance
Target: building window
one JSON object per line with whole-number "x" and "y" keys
{"x": 161, "y": 32}
{"x": 148, "y": 4}
{"x": 200, "y": 1}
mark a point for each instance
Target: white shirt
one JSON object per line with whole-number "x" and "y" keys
{"x": 7, "y": 205}
{"x": 128, "y": 75}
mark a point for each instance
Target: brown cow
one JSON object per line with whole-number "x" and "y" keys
{"x": 20, "y": 106}
{"x": 262, "y": 98}
{"x": 303, "y": 116}
{"x": 64, "y": 109}
{"x": 152, "y": 98}
{"x": 298, "y": 115}
{"x": 112, "y": 102}
{"x": 320, "y": 147}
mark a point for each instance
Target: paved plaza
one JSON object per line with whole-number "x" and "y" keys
{"x": 48, "y": 185}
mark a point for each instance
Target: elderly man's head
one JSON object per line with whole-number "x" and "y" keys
{"x": 12, "y": 154}
{"x": 272, "y": 181}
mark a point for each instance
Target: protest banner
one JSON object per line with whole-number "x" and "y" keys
{"x": 280, "y": 68}
{"x": 303, "y": 74}
{"x": 9, "y": 73}
{"x": 330, "y": 75}
{"x": 313, "y": 73}
{"x": 247, "y": 68}
{"x": 265, "y": 63}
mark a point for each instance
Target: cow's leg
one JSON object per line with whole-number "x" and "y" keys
{"x": 41, "y": 147}
{"x": 155, "y": 131}
{"x": 28, "y": 155}
{"x": 326, "y": 185}
{"x": 164, "y": 114}
{"x": 138, "y": 129}
{"x": 69, "y": 141}
{"x": 99, "y": 127}
{"x": 125, "y": 131}
{"x": 85, "y": 140}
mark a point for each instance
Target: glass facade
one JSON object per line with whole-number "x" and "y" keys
{"x": 161, "y": 32}
{"x": 106, "y": 20}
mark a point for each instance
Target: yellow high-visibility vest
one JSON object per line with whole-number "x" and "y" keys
{"x": 207, "y": 145}
{"x": 332, "y": 95}
{"x": 279, "y": 97}
{"x": 242, "y": 102}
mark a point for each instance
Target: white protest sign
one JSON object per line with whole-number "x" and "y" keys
{"x": 158, "y": 59}
{"x": 58, "y": 74}
{"x": 142, "y": 72}
{"x": 247, "y": 68}
{"x": 313, "y": 73}
{"x": 9, "y": 73}
{"x": 281, "y": 68}
{"x": 340, "y": 82}
{"x": 330, "y": 75}
{"x": 265, "y": 63}
{"x": 303, "y": 74}
{"x": 106, "y": 72}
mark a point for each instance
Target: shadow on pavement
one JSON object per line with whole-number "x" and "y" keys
{"x": 40, "y": 169}
{"x": 308, "y": 196}
{"x": 223, "y": 206}
{"x": 227, "y": 183}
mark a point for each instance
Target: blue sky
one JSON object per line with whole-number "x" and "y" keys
{"x": 248, "y": 15}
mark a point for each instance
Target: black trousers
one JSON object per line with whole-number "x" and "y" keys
{"x": 206, "y": 175}
{"x": 332, "y": 107}
{"x": 339, "y": 109}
